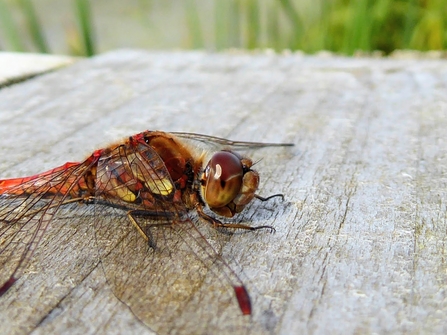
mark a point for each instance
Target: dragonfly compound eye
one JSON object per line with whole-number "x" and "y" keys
{"x": 223, "y": 179}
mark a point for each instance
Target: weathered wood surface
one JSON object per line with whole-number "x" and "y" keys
{"x": 360, "y": 242}
{"x": 16, "y": 66}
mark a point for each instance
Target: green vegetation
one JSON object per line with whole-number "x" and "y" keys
{"x": 342, "y": 26}
{"x": 32, "y": 26}
{"x": 85, "y": 23}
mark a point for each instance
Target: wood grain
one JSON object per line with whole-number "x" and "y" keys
{"x": 16, "y": 67}
{"x": 360, "y": 242}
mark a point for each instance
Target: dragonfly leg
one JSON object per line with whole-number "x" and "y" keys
{"x": 218, "y": 224}
{"x": 269, "y": 197}
{"x": 132, "y": 219}
{"x": 146, "y": 233}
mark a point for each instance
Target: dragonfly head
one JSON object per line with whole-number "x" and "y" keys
{"x": 228, "y": 183}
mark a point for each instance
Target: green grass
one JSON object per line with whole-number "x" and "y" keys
{"x": 11, "y": 33}
{"x": 193, "y": 23}
{"x": 342, "y": 26}
{"x": 82, "y": 9}
{"x": 34, "y": 26}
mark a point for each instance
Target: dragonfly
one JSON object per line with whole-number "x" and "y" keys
{"x": 153, "y": 186}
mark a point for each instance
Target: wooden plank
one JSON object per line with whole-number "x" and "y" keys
{"x": 15, "y": 66}
{"x": 360, "y": 242}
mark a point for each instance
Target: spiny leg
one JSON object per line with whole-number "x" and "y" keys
{"x": 133, "y": 214}
{"x": 218, "y": 224}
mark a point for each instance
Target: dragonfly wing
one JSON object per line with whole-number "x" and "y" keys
{"x": 26, "y": 209}
{"x": 223, "y": 142}
{"x": 176, "y": 279}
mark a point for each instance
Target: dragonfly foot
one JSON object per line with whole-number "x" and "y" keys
{"x": 270, "y": 197}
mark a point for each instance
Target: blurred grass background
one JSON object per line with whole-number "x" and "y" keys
{"x": 86, "y": 27}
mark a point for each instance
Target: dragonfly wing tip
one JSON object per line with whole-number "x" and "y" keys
{"x": 5, "y": 287}
{"x": 243, "y": 299}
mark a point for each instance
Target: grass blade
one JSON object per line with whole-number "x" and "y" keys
{"x": 34, "y": 26}
{"x": 294, "y": 18}
{"x": 253, "y": 27}
{"x": 85, "y": 23}
{"x": 9, "y": 28}
{"x": 194, "y": 27}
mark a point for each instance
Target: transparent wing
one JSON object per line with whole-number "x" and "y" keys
{"x": 175, "y": 278}
{"x": 27, "y": 206}
{"x": 222, "y": 142}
